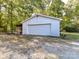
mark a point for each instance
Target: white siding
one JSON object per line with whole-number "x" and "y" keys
{"x": 55, "y": 25}
{"x": 38, "y": 20}
{"x": 55, "y": 28}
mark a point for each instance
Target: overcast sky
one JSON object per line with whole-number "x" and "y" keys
{"x": 65, "y": 1}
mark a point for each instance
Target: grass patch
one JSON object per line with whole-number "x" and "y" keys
{"x": 71, "y": 35}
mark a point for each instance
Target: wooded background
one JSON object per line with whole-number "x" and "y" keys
{"x": 12, "y": 12}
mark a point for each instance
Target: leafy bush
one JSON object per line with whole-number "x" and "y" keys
{"x": 62, "y": 35}
{"x": 72, "y": 28}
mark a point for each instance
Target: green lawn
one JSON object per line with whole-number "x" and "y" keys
{"x": 71, "y": 35}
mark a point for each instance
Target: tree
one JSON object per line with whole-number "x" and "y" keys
{"x": 56, "y": 8}
{"x": 71, "y": 15}
{"x": 12, "y": 12}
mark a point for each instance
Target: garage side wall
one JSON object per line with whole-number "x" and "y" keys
{"x": 55, "y": 28}
{"x": 55, "y": 25}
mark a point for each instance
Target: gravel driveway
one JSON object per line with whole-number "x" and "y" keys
{"x": 19, "y": 47}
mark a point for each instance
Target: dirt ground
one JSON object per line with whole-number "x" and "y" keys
{"x": 37, "y": 47}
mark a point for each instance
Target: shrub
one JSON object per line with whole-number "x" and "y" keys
{"x": 62, "y": 35}
{"x": 72, "y": 28}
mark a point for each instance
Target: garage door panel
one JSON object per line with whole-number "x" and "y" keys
{"x": 39, "y": 29}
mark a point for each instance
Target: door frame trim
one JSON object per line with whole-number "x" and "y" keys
{"x": 41, "y": 24}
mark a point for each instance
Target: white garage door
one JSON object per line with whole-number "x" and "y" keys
{"x": 44, "y": 29}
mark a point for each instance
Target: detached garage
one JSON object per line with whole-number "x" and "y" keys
{"x": 41, "y": 25}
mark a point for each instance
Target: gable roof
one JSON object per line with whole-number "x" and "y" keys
{"x": 36, "y": 15}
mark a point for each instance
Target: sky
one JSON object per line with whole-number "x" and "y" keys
{"x": 65, "y": 1}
